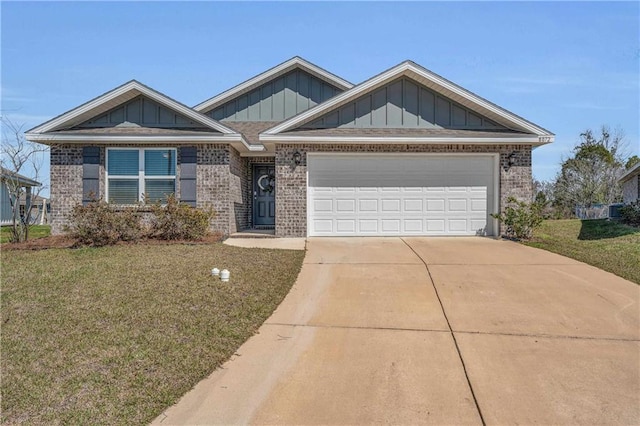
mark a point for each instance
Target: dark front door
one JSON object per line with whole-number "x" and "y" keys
{"x": 264, "y": 195}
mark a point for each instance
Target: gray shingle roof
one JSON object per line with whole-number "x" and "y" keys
{"x": 382, "y": 132}
{"x": 249, "y": 129}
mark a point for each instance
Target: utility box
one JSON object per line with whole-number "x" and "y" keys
{"x": 614, "y": 211}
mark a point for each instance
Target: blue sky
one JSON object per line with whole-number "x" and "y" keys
{"x": 565, "y": 66}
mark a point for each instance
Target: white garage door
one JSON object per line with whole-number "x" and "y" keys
{"x": 407, "y": 194}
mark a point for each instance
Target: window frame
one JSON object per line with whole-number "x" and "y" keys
{"x": 141, "y": 171}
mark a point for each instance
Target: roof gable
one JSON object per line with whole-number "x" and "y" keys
{"x": 277, "y": 99}
{"x": 293, "y": 64}
{"x": 419, "y": 76}
{"x": 121, "y": 95}
{"x": 403, "y": 103}
{"x": 142, "y": 111}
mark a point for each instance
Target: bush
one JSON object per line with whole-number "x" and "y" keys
{"x": 521, "y": 218}
{"x": 177, "y": 221}
{"x": 99, "y": 224}
{"x": 630, "y": 213}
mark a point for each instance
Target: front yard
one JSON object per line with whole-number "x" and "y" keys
{"x": 115, "y": 335}
{"x": 607, "y": 245}
{"x": 35, "y": 231}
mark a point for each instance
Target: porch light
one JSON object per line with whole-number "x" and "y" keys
{"x": 512, "y": 159}
{"x": 297, "y": 158}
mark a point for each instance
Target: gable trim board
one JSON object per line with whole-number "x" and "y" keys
{"x": 533, "y": 140}
{"x": 431, "y": 81}
{"x": 278, "y": 70}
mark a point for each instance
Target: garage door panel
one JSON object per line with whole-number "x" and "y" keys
{"x": 391, "y": 205}
{"x": 413, "y": 205}
{"x": 368, "y": 226}
{"x": 435, "y": 226}
{"x": 457, "y": 205}
{"x": 390, "y": 226}
{"x": 323, "y": 205}
{"x": 345, "y": 225}
{"x": 368, "y": 205}
{"x": 346, "y": 206}
{"x": 413, "y": 226}
{"x": 400, "y": 195}
{"x": 435, "y": 205}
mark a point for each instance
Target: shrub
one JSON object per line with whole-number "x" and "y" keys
{"x": 99, "y": 224}
{"x": 630, "y": 213}
{"x": 520, "y": 218}
{"x": 177, "y": 221}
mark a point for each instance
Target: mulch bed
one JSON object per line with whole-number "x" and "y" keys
{"x": 64, "y": 241}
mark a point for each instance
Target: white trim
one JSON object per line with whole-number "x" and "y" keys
{"x": 496, "y": 172}
{"x": 399, "y": 70}
{"x": 629, "y": 173}
{"x": 258, "y": 154}
{"x": 141, "y": 170}
{"x": 533, "y": 140}
{"x": 74, "y": 138}
{"x": 295, "y": 62}
{"x": 114, "y": 94}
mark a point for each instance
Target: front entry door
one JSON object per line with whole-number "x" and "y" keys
{"x": 264, "y": 195}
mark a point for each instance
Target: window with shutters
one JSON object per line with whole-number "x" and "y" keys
{"x": 140, "y": 174}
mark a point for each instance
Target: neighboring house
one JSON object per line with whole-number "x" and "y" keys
{"x": 40, "y": 210}
{"x": 302, "y": 151}
{"x": 9, "y": 179}
{"x": 630, "y": 182}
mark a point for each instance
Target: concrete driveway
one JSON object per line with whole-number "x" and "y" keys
{"x": 434, "y": 330}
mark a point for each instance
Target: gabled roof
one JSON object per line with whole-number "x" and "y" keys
{"x": 635, "y": 170}
{"x": 21, "y": 179}
{"x": 426, "y": 78}
{"x": 278, "y": 70}
{"x": 117, "y": 96}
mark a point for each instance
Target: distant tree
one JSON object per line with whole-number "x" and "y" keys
{"x": 20, "y": 157}
{"x": 590, "y": 175}
{"x": 632, "y": 161}
{"x": 542, "y": 191}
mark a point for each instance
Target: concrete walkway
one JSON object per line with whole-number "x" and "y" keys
{"x": 434, "y": 330}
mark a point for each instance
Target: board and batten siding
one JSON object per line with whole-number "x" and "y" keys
{"x": 277, "y": 99}
{"x": 5, "y": 205}
{"x": 403, "y": 103}
{"x": 142, "y": 111}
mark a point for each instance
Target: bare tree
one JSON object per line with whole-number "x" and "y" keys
{"x": 20, "y": 157}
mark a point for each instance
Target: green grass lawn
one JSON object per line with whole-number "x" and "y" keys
{"x": 115, "y": 335}
{"x": 607, "y": 245}
{"x": 35, "y": 231}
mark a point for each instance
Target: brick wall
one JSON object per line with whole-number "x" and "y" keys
{"x": 212, "y": 183}
{"x": 239, "y": 192}
{"x": 66, "y": 183}
{"x": 291, "y": 182}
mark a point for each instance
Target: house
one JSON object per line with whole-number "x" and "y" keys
{"x": 40, "y": 210}
{"x": 302, "y": 151}
{"x": 630, "y": 182}
{"x": 8, "y": 181}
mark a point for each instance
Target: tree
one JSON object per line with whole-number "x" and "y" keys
{"x": 590, "y": 175}
{"x": 632, "y": 161}
{"x": 19, "y": 157}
